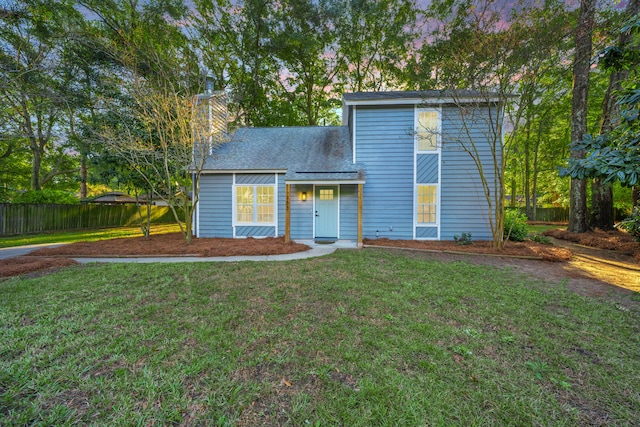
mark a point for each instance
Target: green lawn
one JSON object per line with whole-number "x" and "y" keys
{"x": 358, "y": 338}
{"x": 539, "y": 228}
{"x": 83, "y": 235}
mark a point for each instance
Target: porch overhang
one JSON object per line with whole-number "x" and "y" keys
{"x": 326, "y": 177}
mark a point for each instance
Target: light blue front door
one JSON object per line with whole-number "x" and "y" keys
{"x": 326, "y": 201}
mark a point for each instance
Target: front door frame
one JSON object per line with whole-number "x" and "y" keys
{"x": 337, "y": 208}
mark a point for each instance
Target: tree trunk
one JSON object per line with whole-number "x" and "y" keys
{"x": 578, "y": 216}
{"x": 601, "y": 205}
{"x": 512, "y": 202}
{"x": 36, "y": 164}
{"x": 602, "y": 215}
{"x": 83, "y": 176}
{"x": 534, "y": 186}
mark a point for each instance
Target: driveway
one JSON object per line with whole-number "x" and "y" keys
{"x": 23, "y": 250}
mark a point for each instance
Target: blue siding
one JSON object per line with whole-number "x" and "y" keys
{"x": 348, "y": 212}
{"x": 255, "y": 231}
{"x": 215, "y": 206}
{"x": 464, "y": 206}
{"x": 427, "y": 169}
{"x": 301, "y": 212}
{"x": 426, "y": 232}
{"x": 255, "y": 178}
{"x": 385, "y": 144}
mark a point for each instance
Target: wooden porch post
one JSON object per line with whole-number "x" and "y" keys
{"x": 360, "y": 193}
{"x": 287, "y": 220}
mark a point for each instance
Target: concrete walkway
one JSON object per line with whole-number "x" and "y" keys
{"x": 316, "y": 250}
{"x": 23, "y": 250}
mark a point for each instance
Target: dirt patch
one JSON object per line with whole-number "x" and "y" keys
{"x": 526, "y": 249}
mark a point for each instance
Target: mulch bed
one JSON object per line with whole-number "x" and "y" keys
{"x": 526, "y": 249}
{"x": 614, "y": 240}
{"x": 174, "y": 244}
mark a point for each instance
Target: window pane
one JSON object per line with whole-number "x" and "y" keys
{"x": 244, "y": 195}
{"x": 427, "y": 130}
{"x": 427, "y": 120}
{"x": 426, "y": 207}
{"x": 244, "y": 213}
{"x": 427, "y": 141}
{"x": 265, "y": 213}
{"x": 265, "y": 195}
{"x": 326, "y": 194}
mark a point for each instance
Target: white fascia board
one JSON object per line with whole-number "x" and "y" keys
{"x": 423, "y": 101}
{"x": 324, "y": 182}
{"x": 219, "y": 171}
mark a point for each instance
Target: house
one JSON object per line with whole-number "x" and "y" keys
{"x": 399, "y": 167}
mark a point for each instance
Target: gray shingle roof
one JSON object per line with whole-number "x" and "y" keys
{"x": 322, "y": 153}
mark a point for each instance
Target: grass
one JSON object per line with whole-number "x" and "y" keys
{"x": 83, "y": 235}
{"x": 358, "y": 338}
{"x": 539, "y": 228}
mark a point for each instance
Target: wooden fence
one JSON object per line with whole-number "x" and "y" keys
{"x": 550, "y": 214}
{"x": 562, "y": 214}
{"x": 16, "y": 219}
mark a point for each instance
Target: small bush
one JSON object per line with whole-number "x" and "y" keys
{"x": 537, "y": 237}
{"x": 46, "y": 197}
{"x": 465, "y": 239}
{"x": 632, "y": 224}
{"x": 515, "y": 225}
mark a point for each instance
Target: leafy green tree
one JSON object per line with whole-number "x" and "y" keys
{"x": 578, "y": 215}
{"x": 235, "y": 41}
{"x": 151, "y": 119}
{"x": 602, "y": 215}
{"x": 36, "y": 85}
{"x": 614, "y": 155}
{"x": 302, "y": 43}
{"x": 52, "y": 197}
{"x": 374, "y": 40}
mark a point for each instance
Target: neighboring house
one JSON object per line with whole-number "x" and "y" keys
{"x": 397, "y": 168}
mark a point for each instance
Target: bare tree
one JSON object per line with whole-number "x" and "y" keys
{"x": 480, "y": 135}
{"x": 167, "y": 138}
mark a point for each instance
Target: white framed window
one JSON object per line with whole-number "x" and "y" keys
{"x": 428, "y": 125}
{"x": 255, "y": 204}
{"x": 427, "y": 204}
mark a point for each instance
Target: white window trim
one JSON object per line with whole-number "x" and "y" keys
{"x": 417, "y": 224}
{"x": 438, "y": 132}
{"x": 438, "y": 185}
{"x": 354, "y": 136}
{"x": 235, "y": 222}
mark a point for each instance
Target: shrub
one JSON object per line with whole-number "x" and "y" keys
{"x": 515, "y": 225}
{"x": 46, "y": 197}
{"x": 632, "y": 224}
{"x": 465, "y": 239}
{"x": 537, "y": 237}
